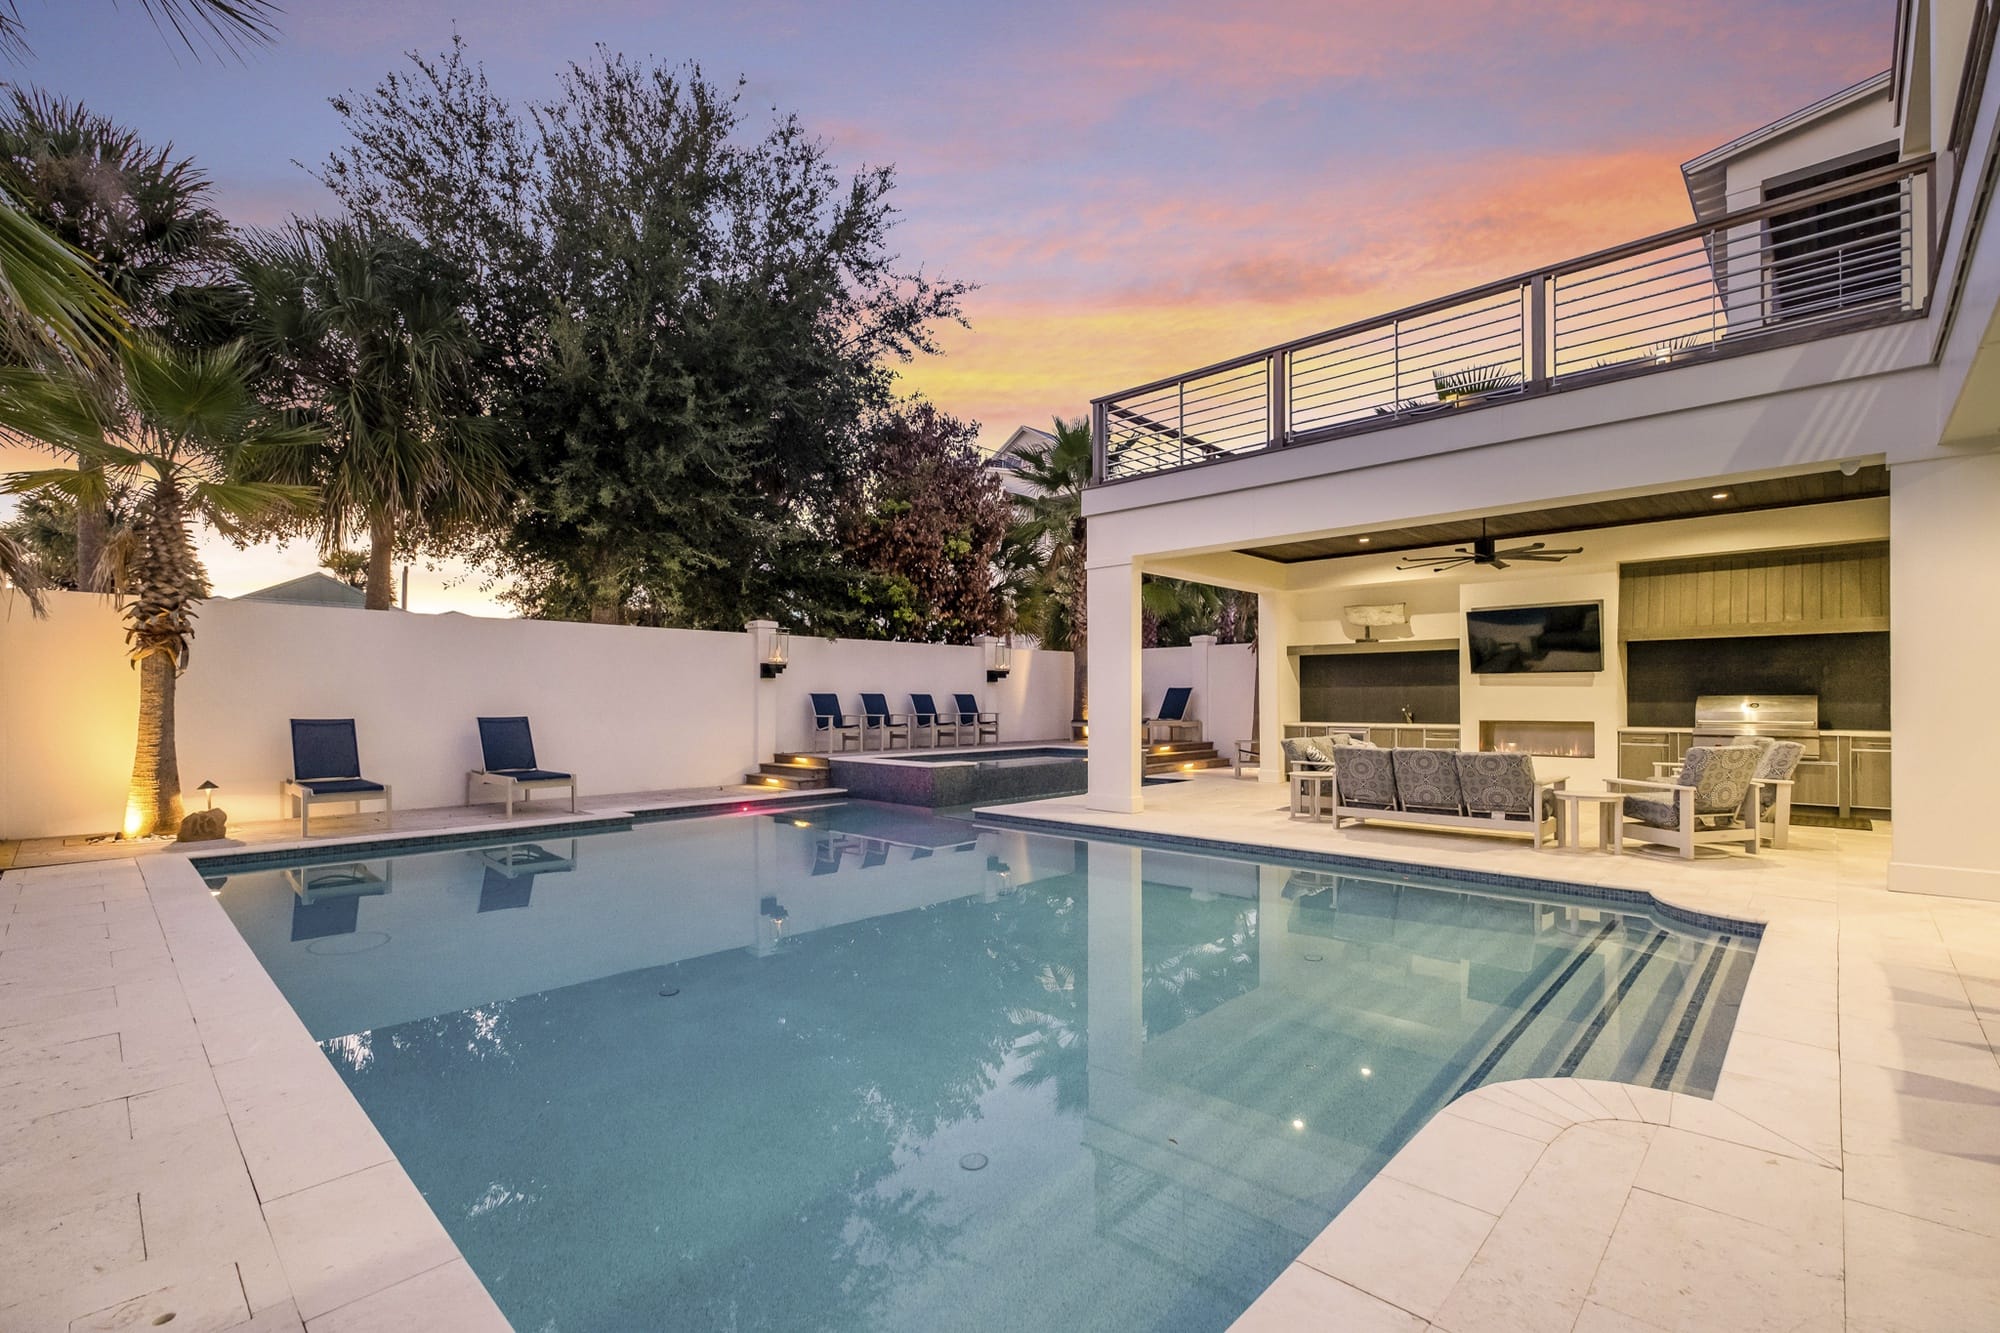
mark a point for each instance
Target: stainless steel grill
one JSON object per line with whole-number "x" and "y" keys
{"x": 1721, "y": 719}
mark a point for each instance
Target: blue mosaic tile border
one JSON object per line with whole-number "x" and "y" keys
{"x": 1344, "y": 861}
{"x": 237, "y": 862}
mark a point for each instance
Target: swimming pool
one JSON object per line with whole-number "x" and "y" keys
{"x": 860, "y": 1066}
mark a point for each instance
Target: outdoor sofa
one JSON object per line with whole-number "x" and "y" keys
{"x": 1482, "y": 791}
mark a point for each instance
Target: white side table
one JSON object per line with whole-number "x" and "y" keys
{"x": 1610, "y": 807}
{"x": 1311, "y": 787}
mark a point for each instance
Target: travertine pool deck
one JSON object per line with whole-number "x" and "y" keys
{"x": 1846, "y": 1174}
{"x": 173, "y": 1141}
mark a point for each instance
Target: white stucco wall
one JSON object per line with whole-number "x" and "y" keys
{"x": 1223, "y": 677}
{"x": 627, "y": 709}
{"x": 1944, "y": 587}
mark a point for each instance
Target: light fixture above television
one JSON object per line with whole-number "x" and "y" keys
{"x": 1380, "y": 616}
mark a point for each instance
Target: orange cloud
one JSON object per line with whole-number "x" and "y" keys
{"x": 1238, "y": 279}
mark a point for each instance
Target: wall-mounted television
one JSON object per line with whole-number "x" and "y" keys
{"x": 1511, "y": 639}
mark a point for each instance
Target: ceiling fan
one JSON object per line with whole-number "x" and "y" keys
{"x": 1483, "y": 552}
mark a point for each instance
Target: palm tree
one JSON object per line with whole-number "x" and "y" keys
{"x": 1051, "y": 523}
{"x": 224, "y": 26}
{"x": 140, "y": 213}
{"x": 185, "y": 432}
{"x": 362, "y": 333}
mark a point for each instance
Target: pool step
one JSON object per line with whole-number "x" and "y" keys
{"x": 794, "y": 772}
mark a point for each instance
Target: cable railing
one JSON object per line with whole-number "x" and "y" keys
{"x": 1804, "y": 266}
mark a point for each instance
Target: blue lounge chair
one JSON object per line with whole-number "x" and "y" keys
{"x": 878, "y": 721}
{"x": 507, "y": 751}
{"x": 983, "y": 726}
{"x": 829, "y": 722}
{"x": 326, "y": 770}
{"x": 924, "y": 716}
{"x": 1173, "y": 716}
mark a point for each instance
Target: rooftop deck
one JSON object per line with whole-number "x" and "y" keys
{"x": 1809, "y": 265}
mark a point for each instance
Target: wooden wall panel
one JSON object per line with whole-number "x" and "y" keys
{"x": 1817, "y": 590}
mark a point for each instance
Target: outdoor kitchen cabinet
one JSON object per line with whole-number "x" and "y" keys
{"x": 1867, "y": 772}
{"x": 1638, "y": 751}
{"x": 1387, "y": 735}
{"x": 1817, "y": 781}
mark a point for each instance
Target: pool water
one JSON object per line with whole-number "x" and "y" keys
{"x": 863, "y": 1067}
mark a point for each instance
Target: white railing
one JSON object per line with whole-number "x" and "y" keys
{"x": 1814, "y": 263}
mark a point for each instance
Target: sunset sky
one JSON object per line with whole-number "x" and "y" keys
{"x": 1136, "y": 190}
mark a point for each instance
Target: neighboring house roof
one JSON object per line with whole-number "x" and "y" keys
{"x": 1707, "y": 175}
{"x": 309, "y": 590}
{"x": 1006, "y": 460}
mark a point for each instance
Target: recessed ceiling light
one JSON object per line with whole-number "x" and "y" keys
{"x": 1362, "y": 540}
{"x": 1720, "y": 495}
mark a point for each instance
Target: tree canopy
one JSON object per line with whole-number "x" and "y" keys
{"x": 686, "y": 327}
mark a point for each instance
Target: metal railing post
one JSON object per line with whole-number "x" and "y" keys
{"x": 1276, "y": 428}
{"x": 1099, "y": 428}
{"x": 1538, "y": 331}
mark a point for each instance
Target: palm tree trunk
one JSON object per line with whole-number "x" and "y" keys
{"x": 1082, "y": 661}
{"x": 90, "y": 527}
{"x": 381, "y": 588}
{"x": 153, "y": 802}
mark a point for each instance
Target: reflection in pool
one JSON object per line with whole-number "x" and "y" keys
{"x": 735, "y": 1072}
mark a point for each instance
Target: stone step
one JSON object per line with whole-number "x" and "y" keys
{"x": 1183, "y": 763}
{"x": 795, "y": 759}
{"x": 792, "y": 779}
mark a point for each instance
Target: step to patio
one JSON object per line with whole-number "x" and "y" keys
{"x": 793, "y": 772}
{"x": 1181, "y": 756}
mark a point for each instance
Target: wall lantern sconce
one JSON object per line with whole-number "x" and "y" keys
{"x": 774, "y": 650}
{"x": 999, "y": 659}
{"x": 209, "y": 789}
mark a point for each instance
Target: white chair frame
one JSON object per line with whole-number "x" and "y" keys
{"x": 479, "y": 783}
{"x": 1779, "y": 816}
{"x": 1744, "y": 830}
{"x": 292, "y": 790}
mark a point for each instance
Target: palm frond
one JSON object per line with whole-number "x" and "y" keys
{"x": 20, "y": 571}
{"x": 51, "y": 300}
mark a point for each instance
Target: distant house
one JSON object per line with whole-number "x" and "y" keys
{"x": 315, "y": 589}
{"x": 1006, "y": 460}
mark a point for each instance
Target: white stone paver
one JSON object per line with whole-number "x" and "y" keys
{"x": 175, "y": 1151}
{"x": 1846, "y": 1173}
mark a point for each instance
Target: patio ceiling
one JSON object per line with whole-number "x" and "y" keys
{"x": 1739, "y": 497}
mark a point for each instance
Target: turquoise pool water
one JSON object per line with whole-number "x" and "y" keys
{"x": 862, "y": 1067}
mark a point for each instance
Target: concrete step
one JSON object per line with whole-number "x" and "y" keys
{"x": 793, "y": 759}
{"x": 790, "y": 778}
{"x": 1182, "y": 763}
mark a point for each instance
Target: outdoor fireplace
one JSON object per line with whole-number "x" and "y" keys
{"x": 1562, "y": 740}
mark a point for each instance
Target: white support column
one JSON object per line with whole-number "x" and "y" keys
{"x": 764, "y": 713}
{"x": 1116, "y": 764}
{"x": 1115, "y": 982}
{"x": 1199, "y": 658}
{"x": 1277, "y": 680}
{"x": 1944, "y": 638}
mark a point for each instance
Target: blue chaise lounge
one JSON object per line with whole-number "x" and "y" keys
{"x": 326, "y": 770}
{"x": 507, "y": 751}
